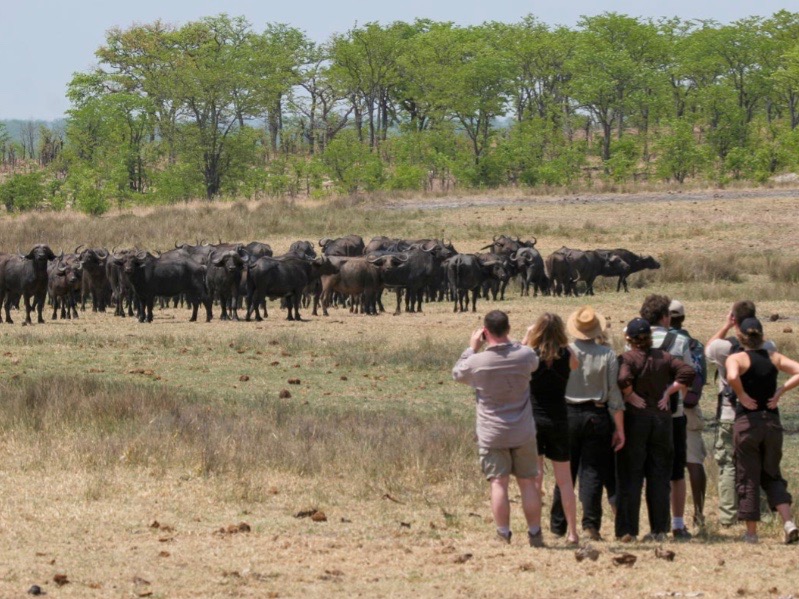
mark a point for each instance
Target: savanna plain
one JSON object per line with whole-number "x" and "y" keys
{"x": 173, "y": 459}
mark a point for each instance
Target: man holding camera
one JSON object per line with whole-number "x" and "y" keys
{"x": 500, "y": 376}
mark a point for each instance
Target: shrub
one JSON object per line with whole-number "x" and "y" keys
{"x": 680, "y": 155}
{"x": 351, "y": 165}
{"x": 23, "y": 191}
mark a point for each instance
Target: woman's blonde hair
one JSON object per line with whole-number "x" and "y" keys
{"x": 548, "y": 336}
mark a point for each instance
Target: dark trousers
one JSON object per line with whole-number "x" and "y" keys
{"x": 647, "y": 455}
{"x": 758, "y": 452}
{"x": 590, "y": 433}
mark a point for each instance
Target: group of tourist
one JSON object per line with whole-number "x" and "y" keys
{"x": 619, "y": 424}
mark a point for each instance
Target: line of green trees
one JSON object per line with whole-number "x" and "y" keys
{"x": 215, "y": 108}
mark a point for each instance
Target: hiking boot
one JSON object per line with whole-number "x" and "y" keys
{"x": 657, "y": 537}
{"x": 791, "y": 533}
{"x": 557, "y": 531}
{"x": 628, "y": 538}
{"x": 504, "y": 538}
{"x": 592, "y": 533}
{"x": 537, "y": 539}
{"x": 750, "y": 538}
{"x": 681, "y": 534}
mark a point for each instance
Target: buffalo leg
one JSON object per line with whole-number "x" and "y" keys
{"x": 208, "y": 303}
{"x": 7, "y": 306}
{"x": 28, "y": 310}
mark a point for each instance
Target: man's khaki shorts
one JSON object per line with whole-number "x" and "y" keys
{"x": 521, "y": 461}
{"x": 695, "y": 446}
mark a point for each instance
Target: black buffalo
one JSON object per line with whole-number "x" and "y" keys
{"x": 636, "y": 263}
{"x": 171, "y": 274}
{"x": 506, "y": 244}
{"x": 283, "y": 277}
{"x": 94, "y": 278}
{"x": 303, "y": 249}
{"x": 530, "y": 267}
{"x": 64, "y": 275}
{"x": 224, "y": 279}
{"x": 25, "y": 275}
{"x": 350, "y": 245}
{"x": 466, "y": 273}
{"x": 587, "y": 265}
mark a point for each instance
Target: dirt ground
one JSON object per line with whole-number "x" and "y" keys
{"x": 152, "y": 531}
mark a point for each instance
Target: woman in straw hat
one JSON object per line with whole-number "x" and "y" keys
{"x": 757, "y": 431}
{"x": 548, "y": 339}
{"x": 593, "y": 401}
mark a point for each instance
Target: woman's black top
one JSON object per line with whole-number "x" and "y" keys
{"x": 759, "y": 382}
{"x": 548, "y": 387}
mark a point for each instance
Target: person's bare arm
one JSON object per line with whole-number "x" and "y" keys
{"x": 617, "y": 441}
{"x": 527, "y": 334}
{"x": 735, "y": 368}
{"x": 788, "y": 366}
{"x": 574, "y": 362}
{"x": 722, "y": 332}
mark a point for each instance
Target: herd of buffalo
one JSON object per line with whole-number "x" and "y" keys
{"x": 347, "y": 270}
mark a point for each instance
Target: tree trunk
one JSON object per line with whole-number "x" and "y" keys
{"x": 607, "y": 130}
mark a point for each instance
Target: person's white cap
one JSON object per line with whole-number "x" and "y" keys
{"x": 676, "y": 308}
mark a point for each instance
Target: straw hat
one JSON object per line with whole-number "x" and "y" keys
{"x": 586, "y": 324}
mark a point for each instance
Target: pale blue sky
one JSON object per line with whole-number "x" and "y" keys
{"x": 42, "y": 42}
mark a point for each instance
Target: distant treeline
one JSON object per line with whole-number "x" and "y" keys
{"x": 215, "y": 108}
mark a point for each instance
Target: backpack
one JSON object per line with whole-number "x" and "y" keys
{"x": 698, "y": 361}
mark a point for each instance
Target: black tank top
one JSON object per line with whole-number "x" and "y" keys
{"x": 759, "y": 381}
{"x": 548, "y": 387}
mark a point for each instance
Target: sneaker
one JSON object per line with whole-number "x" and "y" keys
{"x": 791, "y": 533}
{"x": 536, "y": 540}
{"x": 504, "y": 538}
{"x": 656, "y": 537}
{"x": 592, "y": 533}
{"x": 628, "y": 538}
{"x": 750, "y": 538}
{"x": 681, "y": 534}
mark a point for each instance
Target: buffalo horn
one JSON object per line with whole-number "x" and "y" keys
{"x": 534, "y": 241}
{"x": 102, "y": 254}
{"x": 141, "y": 255}
{"x": 513, "y": 256}
{"x": 77, "y": 249}
{"x": 323, "y": 242}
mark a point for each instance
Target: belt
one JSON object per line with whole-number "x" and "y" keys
{"x": 582, "y": 405}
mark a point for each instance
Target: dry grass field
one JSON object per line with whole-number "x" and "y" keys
{"x": 160, "y": 460}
